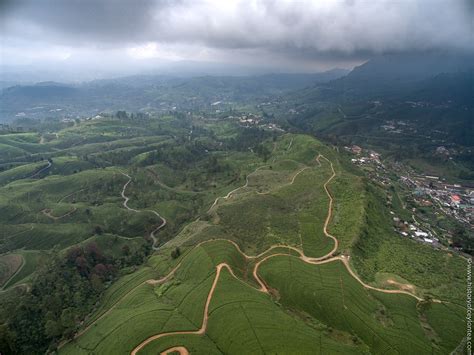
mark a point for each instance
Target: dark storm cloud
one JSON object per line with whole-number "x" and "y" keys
{"x": 295, "y": 29}
{"x": 84, "y": 20}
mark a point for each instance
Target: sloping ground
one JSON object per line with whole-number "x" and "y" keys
{"x": 239, "y": 317}
{"x": 295, "y": 294}
{"x": 32, "y": 260}
{"x": 385, "y": 322}
{"x": 10, "y": 264}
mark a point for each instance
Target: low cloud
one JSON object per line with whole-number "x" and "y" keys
{"x": 279, "y": 30}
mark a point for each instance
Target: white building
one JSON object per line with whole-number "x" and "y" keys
{"x": 421, "y": 234}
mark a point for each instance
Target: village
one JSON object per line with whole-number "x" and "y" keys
{"x": 426, "y": 198}
{"x": 249, "y": 120}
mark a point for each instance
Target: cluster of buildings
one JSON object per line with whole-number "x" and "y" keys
{"x": 414, "y": 231}
{"x": 252, "y": 120}
{"x": 424, "y": 191}
{"x": 247, "y": 120}
{"x": 370, "y": 157}
{"x": 393, "y": 126}
{"x": 371, "y": 163}
{"x": 452, "y": 199}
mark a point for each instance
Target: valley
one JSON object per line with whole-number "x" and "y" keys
{"x": 198, "y": 235}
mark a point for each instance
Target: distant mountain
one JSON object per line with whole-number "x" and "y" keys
{"x": 393, "y": 73}
{"x": 43, "y": 90}
{"x": 22, "y": 97}
{"x": 150, "y": 92}
{"x": 431, "y": 93}
{"x": 285, "y": 81}
{"x": 456, "y": 87}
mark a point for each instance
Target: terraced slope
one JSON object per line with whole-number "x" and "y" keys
{"x": 263, "y": 272}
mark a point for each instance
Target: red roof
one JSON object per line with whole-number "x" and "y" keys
{"x": 455, "y": 198}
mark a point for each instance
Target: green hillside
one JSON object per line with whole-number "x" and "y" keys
{"x": 140, "y": 236}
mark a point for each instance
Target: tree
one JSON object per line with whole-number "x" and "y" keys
{"x": 52, "y": 328}
{"x": 93, "y": 253}
{"x": 68, "y": 321}
{"x": 96, "y": 283}
{"x": 126, "y": 250}
{"x": 6, "y": 340}
{"x": 101, "y": 271}
{"x": 176, "y": 253}
{"x": 73, "y": 253}
{"x": 98, "y": 230}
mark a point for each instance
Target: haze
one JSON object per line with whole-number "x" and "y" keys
{"x": 83, "y": 40}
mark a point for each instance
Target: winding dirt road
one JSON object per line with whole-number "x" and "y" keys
{"x": 125, "y": 204}
{"x": 41, "y": 170}
{"x": 330, "y": 208}
{"x": 69, "y": 195}
{"x": 205, "y": 317}
{"x": 48, "y": 213}
{"x": 226, "y": 197}
{"x": 150, "y": 282}
{"x": 262, "y": 286}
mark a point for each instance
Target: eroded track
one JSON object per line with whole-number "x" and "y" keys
{"x": 262, "y": 287}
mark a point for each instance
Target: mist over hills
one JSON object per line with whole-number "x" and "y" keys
{"x": 394, "y": 73}
{"x": 236, "y": 177}
{"x": 149, "y": 92}
{"x": 433, "y": 89}
{"x": 430, "y": 93}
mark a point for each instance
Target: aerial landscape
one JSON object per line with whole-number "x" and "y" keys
{"x": 241, "y": 177}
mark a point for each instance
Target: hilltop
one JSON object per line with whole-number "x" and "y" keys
{"x": 187, "y": 230}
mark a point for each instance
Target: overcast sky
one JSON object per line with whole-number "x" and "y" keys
{"x": 275, "y": 34}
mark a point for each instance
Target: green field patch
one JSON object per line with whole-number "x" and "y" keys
{"x": 195, "y": 344}
{"x": 19, "y": 172}
{"x": 259, "y": 221}
{"x": 11, "y": 152}
{"x": 384, "y": 322}
{"x": 448, "y": 321}
{"x": 189, "y": 234}
{"x": 32, "y": 261}
{"x": 379, "y": 249}
{"x": 141, "y": 313}
{"x": 69, "y": 165}
{"x": 120, "y": 289}
{"x": 243, "y": 320}
{"x": 349, "y": 211}
{"x": 9, "y": 265}
{"x": 303, "y": 148}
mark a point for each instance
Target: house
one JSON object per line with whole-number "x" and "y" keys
{"x": 455, "y": 199}
{"x": 421, "y": 234}
{"x": 374, "y": 156}
{"x": 419, "y": 191}
{"x": 356, "y": 149}
{"x": 442, "y": 151}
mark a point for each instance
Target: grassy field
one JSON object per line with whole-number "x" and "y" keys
{"x": 32, "y": 261}
{"x": 9, "y": 265}
{"x": 380, "y": 250}
{"x": 173, "y": 303}
{"x": 213, "y": 191}
{"x": 384, "y": 322}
